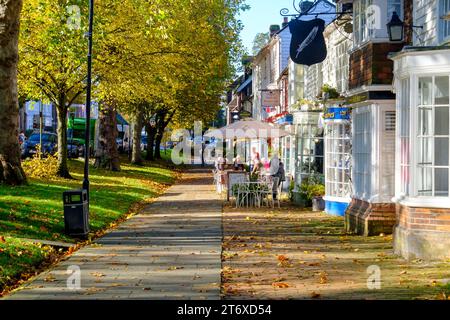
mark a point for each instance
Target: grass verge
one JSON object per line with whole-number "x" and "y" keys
{"x": 35, "y": 212}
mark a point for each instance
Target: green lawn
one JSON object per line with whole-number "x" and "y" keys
{"x": 35, "y": 211}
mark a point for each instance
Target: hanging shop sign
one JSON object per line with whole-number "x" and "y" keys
{"x": 283, "y": 118}
{"x": 308, "y": 43}
{"x": 338, "y": 113}
{"x": 270, "y": 98}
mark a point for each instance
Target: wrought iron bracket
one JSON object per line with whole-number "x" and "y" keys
{"x": 299, "y": 12}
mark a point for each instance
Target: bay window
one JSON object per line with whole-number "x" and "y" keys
{"x": 433, "y": 136}
{"x": 338, "y": 159}
{"x": 404, "y": 137}
{"x": 424, "y": 137}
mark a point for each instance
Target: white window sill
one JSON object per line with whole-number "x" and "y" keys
{"x": 423, "y": 202}
{"x": 337, "y": 199}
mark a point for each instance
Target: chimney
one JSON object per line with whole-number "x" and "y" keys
{"x": 285, "y": 22}
{"x": 274, "y": 28}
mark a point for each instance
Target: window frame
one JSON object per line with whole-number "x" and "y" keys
{"x": 332, "y": 138}
{"x": 413, "y": 198}
{"x": 443, "y": 24}
{"x": 362, "y": 152}
{"x": 306, "y": 140}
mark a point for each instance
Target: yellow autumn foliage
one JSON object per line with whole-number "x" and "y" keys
{"x": 45, "y": 167}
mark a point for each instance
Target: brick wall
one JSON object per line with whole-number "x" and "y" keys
{"x": 370, "y": 65}
{"x": 424, "y": 219}
{"x": 369, "y": 219}
{"x": 409, "y": 20}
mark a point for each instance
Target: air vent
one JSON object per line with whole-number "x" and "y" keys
{"x": 389, "y": 121}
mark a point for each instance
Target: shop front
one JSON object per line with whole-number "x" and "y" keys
{"x": 308, "y": 145}
{"x": 422, "y": 84}
{"x": 337, "y": 160}
{"x": 371, "y": 211}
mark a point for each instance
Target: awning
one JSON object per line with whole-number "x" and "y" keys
{"x": 245, "y": 84}
{"x": 121, "y": 120}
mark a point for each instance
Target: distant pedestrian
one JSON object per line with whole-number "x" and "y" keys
{"x": 22, "y": 137}
{"x": 274, "y": 172}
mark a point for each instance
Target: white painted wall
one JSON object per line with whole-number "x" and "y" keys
{"x": 426, "y": 14}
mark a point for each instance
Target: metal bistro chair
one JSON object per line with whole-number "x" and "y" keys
{"x": 241, "y": 190}
{"x": 265, "y": 190}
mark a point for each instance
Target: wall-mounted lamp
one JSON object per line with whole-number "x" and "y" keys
{"x": 396, "y": 28}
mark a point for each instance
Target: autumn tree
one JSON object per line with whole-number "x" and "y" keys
{"x": 260, "y": 41}
{"x": 10, "y": 168}
{"x": 52, "y": 67}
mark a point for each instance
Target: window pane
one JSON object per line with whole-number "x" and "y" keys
{"x": 441, "y": 121}
{"x": 405, "y": 180}
{"x": 404, "y": 147}
{"x": 441, "y": 90}
{"x": 441, "y": 182}
{"x": 441, "y": 151}
{"x": 425, "y": 91}
{"x": 424, "y": 187}
{"x": 425, "y": 151}
{"x": 425, "y": 121}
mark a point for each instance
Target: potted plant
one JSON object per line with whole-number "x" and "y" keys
{"x": 316, "y": 193}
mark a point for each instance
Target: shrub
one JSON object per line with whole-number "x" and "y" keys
{"x": 45, "y": 167}
{"x": 315, "y": 190}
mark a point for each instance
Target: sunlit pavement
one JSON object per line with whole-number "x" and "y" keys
{"x": 172, "y": 250}
{"x": 295, "y": 254}
{"x": 169, "y": 251}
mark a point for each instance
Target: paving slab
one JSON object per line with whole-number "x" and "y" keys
{"x": 171, "y": 250}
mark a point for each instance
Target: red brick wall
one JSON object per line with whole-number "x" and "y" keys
{"x": 408, "y": 19}
{"x": 368, "y": 219}
{"x": 370, "y": 65}
{"x": 423, "y": 218}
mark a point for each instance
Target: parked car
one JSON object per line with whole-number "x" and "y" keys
{"x": 49, "y": 144}
{"x": 75, "y": 149}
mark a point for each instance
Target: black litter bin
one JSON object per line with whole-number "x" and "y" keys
{"x": 76, "y": 213}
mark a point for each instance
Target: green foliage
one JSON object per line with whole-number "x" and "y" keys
{"x": 312, "y": 187}
{"x": 330, "y": 91}
{"x": 260, "y": 41}
{"x": 315, "y": 190}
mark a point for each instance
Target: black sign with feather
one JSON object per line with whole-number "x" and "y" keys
{"x": 308, "y": 44}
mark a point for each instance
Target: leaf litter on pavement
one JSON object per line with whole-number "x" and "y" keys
{"x": 294, "y": 253}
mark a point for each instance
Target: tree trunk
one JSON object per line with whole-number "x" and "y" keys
{"x": 163, "y": 120}
{"x": 63, "y": 169}
{"x": 151, "y": 133}
{"x": 107, "y": 155}
{"x": 158, "y": 140}
{"x": 136, "y": 156}
{"x": 11, "y": 171}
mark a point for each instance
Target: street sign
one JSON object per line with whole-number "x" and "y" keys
{"x": 270, "y": 98}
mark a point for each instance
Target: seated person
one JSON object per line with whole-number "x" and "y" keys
{"x": 237, "y": 163}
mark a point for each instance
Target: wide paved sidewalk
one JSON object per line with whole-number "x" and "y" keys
{"x": 172, "y": 250}
{"x": 290, "y": 253}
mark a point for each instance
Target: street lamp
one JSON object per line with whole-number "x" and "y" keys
{"x": 87, "y": 134}
{"x": 396, "y": 28}
{"x": 76, "y": 202}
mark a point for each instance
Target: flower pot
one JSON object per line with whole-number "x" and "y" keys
{"x": 318, "y": 204}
